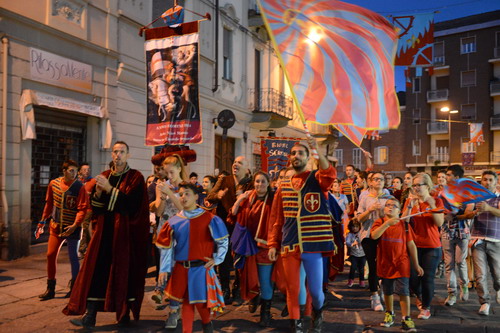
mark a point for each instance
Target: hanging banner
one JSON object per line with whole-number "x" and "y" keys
{"x": 476, "y": 133}
{"x": 274, "y": 154}
{"x": 173, "y": 112}
{"x": 416, "y": 37}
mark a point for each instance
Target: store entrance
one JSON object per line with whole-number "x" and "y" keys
{"x": 60, "y": 136}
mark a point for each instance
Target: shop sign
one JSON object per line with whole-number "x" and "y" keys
{"x": 63, "y": 72}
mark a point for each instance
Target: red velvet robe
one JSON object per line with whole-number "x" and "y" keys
{"x": 129, "y": 248}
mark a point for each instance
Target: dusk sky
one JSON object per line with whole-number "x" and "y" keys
{"x": 447, "y": 10}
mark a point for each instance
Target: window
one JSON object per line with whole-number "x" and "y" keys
{"x": 468, "y": 78}
{"x": 339, "y": 155}
{"x": 416, "y": 116}
{"x": 381, "y": 155}
{"x": 468, "y": 112}
{"x": 416, "y": 151}
{"x": 227, "y": 54}
{"x": 468, "y": 147}
{"x": 438, "y": 53}
{"x": 356, "y": 157}
{"x": 467, "y": 45}
{"x": 416, "y": 85}
{"x": 44, "y": 174}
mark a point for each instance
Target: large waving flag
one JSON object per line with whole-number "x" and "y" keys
{"x": 416, "y": 37}
{"x": 338, "y": 59}
{"x": 464, "y": 191}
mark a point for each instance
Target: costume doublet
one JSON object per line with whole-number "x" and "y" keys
{"x": 307, "y": 218}
{"x": 65, "y": 206}
{"x": 189, "y": 237}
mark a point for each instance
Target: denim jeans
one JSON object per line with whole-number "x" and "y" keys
{"x": 423, "y": 286}
{"x": 486, "y": 254}
{"x": 455, "y": 252}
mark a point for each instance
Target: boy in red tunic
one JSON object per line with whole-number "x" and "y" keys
{"x": 197, "y": 240}
{"x": 394, "y": 252}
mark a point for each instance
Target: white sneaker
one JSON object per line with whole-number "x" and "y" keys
{"x": 376, "y": 305}
{"x": 172, "y": 319}
{"x": 450, "y": 300}
{"x": 484, "y": 310}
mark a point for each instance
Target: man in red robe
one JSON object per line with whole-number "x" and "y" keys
{"x": 113, "y": 273}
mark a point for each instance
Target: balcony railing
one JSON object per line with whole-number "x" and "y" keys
{"x": 495, "y": 122}
{"x": 439, "y": 61}
{"x": 437, "y": 95}
{"x": 437, "y": 127}
{"x": 271, "y": 101}
{"x": 438, "y": 158}
{"x": 495, "y": 157}
{"x": 495, "y": 89}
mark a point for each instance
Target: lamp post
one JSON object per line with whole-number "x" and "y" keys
{"x": 447, "y": 110}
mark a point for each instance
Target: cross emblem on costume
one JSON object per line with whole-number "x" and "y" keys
{"x": 71, "y": 202}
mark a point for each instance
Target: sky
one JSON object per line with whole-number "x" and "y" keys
{"x": 447, "y": 10}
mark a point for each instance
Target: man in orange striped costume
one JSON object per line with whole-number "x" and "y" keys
{"x": 66, "y": 206}
{"x": 302, "y": 231}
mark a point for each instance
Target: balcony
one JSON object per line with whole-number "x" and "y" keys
{"x": 495, "y": 122}
{"x": 271, "y": 108}
{"x": 254, "y": 17}
{"x": 494, "y": 89}
{"x": 437, "y": 159}
{"x": 495, "y": 157}
{"x": 437, "y": 127}
{"x": 440, "y": 95}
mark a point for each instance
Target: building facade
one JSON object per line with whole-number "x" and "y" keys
{"x": 73, "y": 81}
{"x": 464, "y": 79}
{"x": 461, "y": 88}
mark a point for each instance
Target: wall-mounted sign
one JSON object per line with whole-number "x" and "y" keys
{"x": 63, "y": 72}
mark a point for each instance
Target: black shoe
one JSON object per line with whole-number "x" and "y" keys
{"x": 253, "y": 304}
{"x": 265, "y": 313}
{"x": 71, "y": 283}
{"x": 317, "y": 321}
{"x": 89, "y": 318}
{"x": 208, "y": 328}
{"x": 237, "y": 300}
{"x": 296, "y": 326}
{"x": 228, "y": 300}
{"x": 125, "y": 321}
{"x": 50, "y": 292}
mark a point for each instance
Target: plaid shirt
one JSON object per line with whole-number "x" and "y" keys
{"x": 454, "y": 228}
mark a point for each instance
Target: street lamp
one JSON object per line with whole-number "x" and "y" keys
{"x": 447, "y": 109}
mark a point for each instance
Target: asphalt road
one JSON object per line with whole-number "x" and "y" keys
{"x": 21, "y": 281}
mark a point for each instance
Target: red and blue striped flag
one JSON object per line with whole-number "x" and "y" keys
{"x": 338, "y": 59}
{"x": 464, "y": 191}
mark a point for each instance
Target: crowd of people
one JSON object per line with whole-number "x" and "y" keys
{"x": 240, "y": 237}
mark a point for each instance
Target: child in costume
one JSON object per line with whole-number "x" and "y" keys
{"x": 191, "y": 237}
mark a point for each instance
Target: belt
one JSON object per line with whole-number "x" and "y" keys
{"x": 192, "y": 263}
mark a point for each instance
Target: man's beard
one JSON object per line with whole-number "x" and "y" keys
{"x": 299, "y": 168}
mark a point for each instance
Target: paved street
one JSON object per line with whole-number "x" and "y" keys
{"x": 21, "y": 282}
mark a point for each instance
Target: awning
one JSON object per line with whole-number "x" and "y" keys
{"x": 32, "y": 97}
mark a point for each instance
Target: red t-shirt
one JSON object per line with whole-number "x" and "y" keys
{"x": 425, "y": 230}
{"x": 393, "y": 260}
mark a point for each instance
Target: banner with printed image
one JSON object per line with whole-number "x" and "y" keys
{"x": 173, "y": 112}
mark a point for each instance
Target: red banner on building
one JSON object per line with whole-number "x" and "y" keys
{"x": 173, "y": 112}
{"x": 416, "y": 37}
